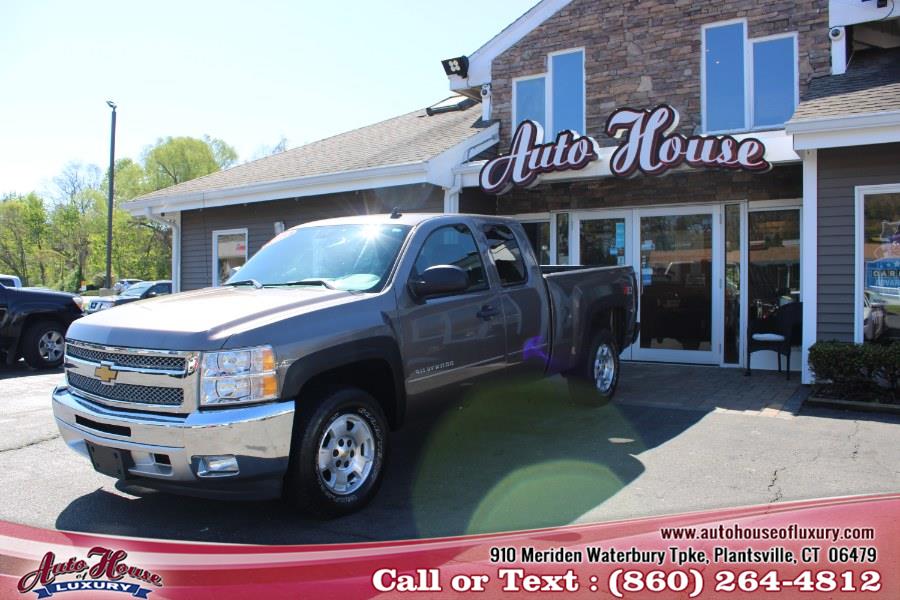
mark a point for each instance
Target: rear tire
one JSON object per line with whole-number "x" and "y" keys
{"x": 596, "y": 379}
{"x": 338, "y": 452}
{"x": 43, "y": 345}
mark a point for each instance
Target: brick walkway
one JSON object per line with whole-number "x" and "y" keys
{"x": 691, "y": 387}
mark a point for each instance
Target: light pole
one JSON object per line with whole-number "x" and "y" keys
{"x": 109, "y": 207}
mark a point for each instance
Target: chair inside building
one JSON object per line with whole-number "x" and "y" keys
{"x": 779, "y": 331}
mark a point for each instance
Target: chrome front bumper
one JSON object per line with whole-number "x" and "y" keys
{"x": 164, "y": 448}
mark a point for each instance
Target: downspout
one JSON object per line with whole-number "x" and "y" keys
{"x": 175, "y": 225}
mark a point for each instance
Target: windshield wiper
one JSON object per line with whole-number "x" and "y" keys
{"x": 321, "y": 282}
{"x": 252, "y": 282}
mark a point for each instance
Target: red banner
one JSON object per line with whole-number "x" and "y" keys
{"x": 836, "y": 548}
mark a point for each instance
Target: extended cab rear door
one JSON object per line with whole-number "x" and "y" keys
{"x": 523, "y": 295}
{"x": 453, "y": 338}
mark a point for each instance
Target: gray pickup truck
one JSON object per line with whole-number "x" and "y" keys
{"x": 286, "y": 380}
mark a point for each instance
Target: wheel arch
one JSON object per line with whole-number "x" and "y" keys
{"x": 373, "y": 365}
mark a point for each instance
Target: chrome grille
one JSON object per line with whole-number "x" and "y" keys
{"x": 137, "y": 361}
{"x": 126, "y": 392}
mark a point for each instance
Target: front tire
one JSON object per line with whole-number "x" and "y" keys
{"x": 44, "y": 345}
{"x": 596, "y": 379}
{"x": 338, "y": 452}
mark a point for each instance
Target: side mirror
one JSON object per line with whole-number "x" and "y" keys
{"x": 151, "y": 295}
{"x": 439, "y": 280}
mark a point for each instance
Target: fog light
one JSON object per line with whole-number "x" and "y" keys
{"x": 213, "y": 466}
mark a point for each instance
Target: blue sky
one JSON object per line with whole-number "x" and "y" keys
{"x": 246, "y": 72}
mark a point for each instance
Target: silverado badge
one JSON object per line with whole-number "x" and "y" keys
{"x": 105, "y": 374}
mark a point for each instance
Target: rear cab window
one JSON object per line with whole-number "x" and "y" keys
{"x": 453, "y": 245}
{"x": 506, "y": 254}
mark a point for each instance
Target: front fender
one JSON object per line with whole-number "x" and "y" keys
{"x": 383, "y": 348}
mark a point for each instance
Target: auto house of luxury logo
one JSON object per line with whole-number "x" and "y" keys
{"x": 103, "y": 570}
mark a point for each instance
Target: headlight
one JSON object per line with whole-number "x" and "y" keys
{"x": 238, "y": 376}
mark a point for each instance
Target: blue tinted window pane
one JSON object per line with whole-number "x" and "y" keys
{"x": 568, "y": 92}
{"x": 724, "y": 62}
{"x": 773, "y": 81}
{"x": 530, "y": 100}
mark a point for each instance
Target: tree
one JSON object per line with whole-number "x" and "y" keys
{"x": 176, "y": 159}
{"x": 75, "y": 178}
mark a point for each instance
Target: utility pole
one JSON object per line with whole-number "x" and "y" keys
{"x": 109, "y": 207}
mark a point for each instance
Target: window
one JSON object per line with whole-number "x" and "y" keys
{"x": 555, "y": 100}
{"x": 530, "y": 100}
{"x": 453, "y": 245}
{"x": 538, "y": 233}
{"x": 506, "y": 254}
{"x": 747, "y": 83}
{"x": 567, "y": 80}
{"x": 724, "y": 91}
{"x": 774, "y": 81}
{"x": 773, "y": 269}
{"x": 878, "y": 257}
{"x": 229, "y": 253}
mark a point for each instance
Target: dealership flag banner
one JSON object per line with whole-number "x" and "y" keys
{"x": 833, "y": 548}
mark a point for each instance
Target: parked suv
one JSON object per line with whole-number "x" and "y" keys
{"x": 286, "y": 380}
{"x": 33, "y": 325}
{"x": 10, "y": 281}
{"x": 136, "y": 291}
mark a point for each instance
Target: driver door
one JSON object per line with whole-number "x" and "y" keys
{"x": 456, "y": 337}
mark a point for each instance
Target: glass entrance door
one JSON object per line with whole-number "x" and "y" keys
{"x": 603, "y": 240}
{"x": 676, "y": 259}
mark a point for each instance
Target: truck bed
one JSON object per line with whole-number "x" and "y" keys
{"x": 580, "y": 295}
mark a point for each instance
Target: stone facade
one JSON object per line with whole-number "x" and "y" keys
{"x": 640, "y": 54}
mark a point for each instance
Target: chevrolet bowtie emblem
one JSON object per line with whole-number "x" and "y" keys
{"x": 105, "y": 374}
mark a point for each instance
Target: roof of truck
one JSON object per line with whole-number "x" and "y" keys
{"x": 411, "y": 219}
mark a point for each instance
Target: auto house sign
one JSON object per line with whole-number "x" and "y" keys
{"x": 647, "y": 145}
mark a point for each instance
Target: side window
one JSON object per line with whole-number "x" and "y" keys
{"x": 506, "y": 254}
{"x": 453, "y": 245}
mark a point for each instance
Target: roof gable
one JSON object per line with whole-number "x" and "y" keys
{"x": 480, "y": 60}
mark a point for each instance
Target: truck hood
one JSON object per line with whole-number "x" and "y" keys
{"x": 202, "y": 319}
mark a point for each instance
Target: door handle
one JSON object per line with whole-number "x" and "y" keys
{"x": 487, "y": 312}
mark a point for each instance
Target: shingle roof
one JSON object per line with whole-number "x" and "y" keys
{"x": 870, "y": 85}
{"x": 410, "y": 138}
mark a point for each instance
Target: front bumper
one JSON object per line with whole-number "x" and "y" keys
{"x": 163, "y": 449}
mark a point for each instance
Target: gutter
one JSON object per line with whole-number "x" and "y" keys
{"x": 175, "y": 225}
{"x": 339, "y": 181}
{"x": 843, "y": 122}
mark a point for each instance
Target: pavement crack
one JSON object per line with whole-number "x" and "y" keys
{"x": 777, "y": 492}
{"x": 31, "y": 443}
{"x": 852, "y": 438}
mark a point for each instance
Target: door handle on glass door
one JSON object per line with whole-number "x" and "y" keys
{"x": 487, "y": 312}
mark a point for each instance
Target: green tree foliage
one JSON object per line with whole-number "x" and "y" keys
{"x": 60, "y": 241}
{"x": 176, "y": 159}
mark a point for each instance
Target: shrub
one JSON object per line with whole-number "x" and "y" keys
{"x": 858, "y": 371}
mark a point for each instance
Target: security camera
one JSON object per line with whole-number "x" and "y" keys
{"x": 836, "y": 33}
{"x": 486, "y": 90}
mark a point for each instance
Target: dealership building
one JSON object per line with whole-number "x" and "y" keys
{"x": 742, "y": 157}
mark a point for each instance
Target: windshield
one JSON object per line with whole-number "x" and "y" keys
{"x": 345, "y": 257}
{"x": 137, "y": 289}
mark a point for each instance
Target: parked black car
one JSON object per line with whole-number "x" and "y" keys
{"x": 136, "y": 291}
{"x": 33, "y": 325}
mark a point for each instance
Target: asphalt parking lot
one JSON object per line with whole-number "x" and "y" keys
{"x": 491, "y": 459}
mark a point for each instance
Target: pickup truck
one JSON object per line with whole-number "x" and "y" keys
{"x": 287, "y": 380}
{"x": 33, "y": 325}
